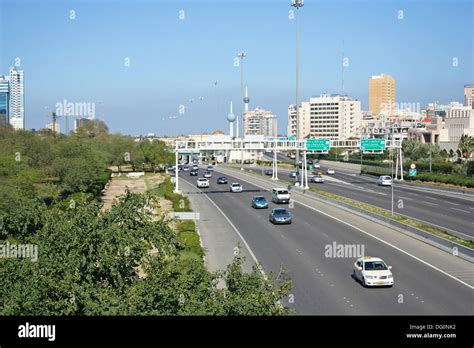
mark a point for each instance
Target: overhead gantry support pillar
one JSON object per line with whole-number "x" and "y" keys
{"x": 275, "y": 165}
{"x": 176, "y": 171}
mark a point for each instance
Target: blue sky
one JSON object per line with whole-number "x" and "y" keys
{"x": 173, "y": 60}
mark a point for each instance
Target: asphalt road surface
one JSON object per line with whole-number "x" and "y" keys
{"x": 324, "y": 285}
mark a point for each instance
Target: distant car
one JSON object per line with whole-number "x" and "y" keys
{"x": 292, "y": 156}
{"x": 210, "y": 168}
{"x": 317, "y": 179}
{"x": 185, "y": 168}
{"x": 293, "y": 175}
{"x": 222, "y": 180}
{"x": 259, "y": 202}
{"x": 195, "y": 167}
{"x": 171, "y": 169}
{"x": 236, "y": 187}
{"x": 330, "y": 171}
{"x": 316, "y": 166}
{"x": 372, "y": 271}
{"x": 280, "y": 216}
{"x": 269, "y": 172}
{"x": 384, "y": 180}
{"x": 280, "y": 195}
{"x": 193, "y": 173}
{"x": 207, "y": 174}
{"x": 309, "y": 162}
{"x": 202, "y": 182}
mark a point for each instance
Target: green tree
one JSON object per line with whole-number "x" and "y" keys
{"x": 466, "y": 146}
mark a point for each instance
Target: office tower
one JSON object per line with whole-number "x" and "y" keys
{"x": 4, "y": 100}
{"x": 382, "y": 95}
{"x": 16, "y": 102}
{"x": 469, "y": 96}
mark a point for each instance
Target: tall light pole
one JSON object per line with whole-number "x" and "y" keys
{"x": 297, "y": 4}
{"x": 242, "y": 55}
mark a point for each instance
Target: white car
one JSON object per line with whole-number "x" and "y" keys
{"x": 292, "y": 156}
{"x": 202, "y": 182}
{"x": 316, "y": 166}
{"x": 330, "y": 171}
{"x": 384, "y": 180}
{"x": 280, "y": 195}
{"x": 236, "y": 187}
{"x": 195, "y": 167}
{"x": 207, "y": 174}
{"x": 372, "y": 271}
{"x": 210, "y": 168}
{"x": 317, "y": 179}
{"x": 185, "y": 169}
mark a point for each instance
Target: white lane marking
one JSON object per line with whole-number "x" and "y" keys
{"x": 435, "y": 199}
{"x": 408, "y": 199}
{"x": 235, "y": 229}
{"x": 464, "y": 211}
{"x": 471, "y": 208}
{"x": 430, "y": 203}
{"x": 379, "y": 239}
{"x": 453, "y": 203}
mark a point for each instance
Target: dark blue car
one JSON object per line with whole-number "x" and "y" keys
{"x": 259, "y": 202}
{"x": 280, "y": 216}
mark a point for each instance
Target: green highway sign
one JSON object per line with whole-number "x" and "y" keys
{"x": 317, "y": 144}
{"x": 412, "y": 172}
{"x": 372, "y": 144}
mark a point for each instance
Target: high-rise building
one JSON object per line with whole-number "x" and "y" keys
{"x": 382, "y": 95}
{"x": 17, "y": 100}
{"x": 469, "y": 96}
{"x": 4, "y": 99}
{"x": 328, "y": 116}
{"x": 260, "y": 122}
{"x": 81, "y": 122}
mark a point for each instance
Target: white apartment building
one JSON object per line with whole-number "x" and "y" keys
{"x": 260, "y": 122}
{"x": 17, "y": 100}
{"x": 458, "y": 121}
{"x": 327, "y": 116}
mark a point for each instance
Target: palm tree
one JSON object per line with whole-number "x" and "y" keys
{"x": 466, "y": 145}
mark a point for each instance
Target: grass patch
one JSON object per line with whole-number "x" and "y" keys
{"x": 165, "y": 189}
{"x": 189, "y": 238}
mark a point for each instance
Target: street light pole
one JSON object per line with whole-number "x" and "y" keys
{"x": 241, "y": 55}
{"x": 297, "y": 4}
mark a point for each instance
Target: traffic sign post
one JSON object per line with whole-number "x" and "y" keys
{"x": 412, "y": 172}
{"x": 318, "y": 144}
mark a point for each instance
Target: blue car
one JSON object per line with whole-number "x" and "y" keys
{"x": 280, "y": 216}
{"x": 259, "y": 202}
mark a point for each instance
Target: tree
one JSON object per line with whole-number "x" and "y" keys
{"x": 466, "y": 146}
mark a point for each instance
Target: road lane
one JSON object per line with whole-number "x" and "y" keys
{"x": 431, "y": 207}
{"x": 324, "y": 285}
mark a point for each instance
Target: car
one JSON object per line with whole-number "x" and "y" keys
{"x": 372, "y": 271}
{"x": 292, "y": 156}
{"x": 316, "y": 166}
{"x": 293, "y": 175}
{"x": 195, "y": 167}
{"x": 185, "y": 169}
{"x": 195, "y": 161}
{"x": 210, "y": 168}
{"x": 384, "y": 180}
{"x": 202, "y": 182}
{"x": 330, "y": 171}
{"x": 193, "y": 173}
{"x": 170, "y": 169}
{"x": 280, "y": 195}
{"x": 269, "y": 172}
{"x": 259, "y": 202}
{"x": 317, "y": 179}
{"x": 280, "y": 216}
{"x": 236, "y": 187}
{"x": 309, "y": 162}
{"x": 207, "y": 174}
{"x": 222, "y": 180}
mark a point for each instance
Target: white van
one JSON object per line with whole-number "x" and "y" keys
{"x": 280, "y": 195}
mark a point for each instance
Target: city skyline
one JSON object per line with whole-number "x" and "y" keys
{"x": 136, "y": 85}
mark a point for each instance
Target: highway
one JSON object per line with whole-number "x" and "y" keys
{"x": 442, "y": 208}
{"x": 424, "y": 282}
